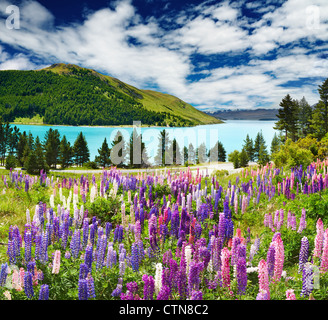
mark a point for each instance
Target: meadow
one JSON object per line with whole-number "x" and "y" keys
{"x": 171, "y": 235}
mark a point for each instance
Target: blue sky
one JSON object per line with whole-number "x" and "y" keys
{"x": 212, "y": 54}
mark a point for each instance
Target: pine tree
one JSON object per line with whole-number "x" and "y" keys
{"x": 103, "y": 158}
{"x": 137, "y": 151}
{"x": 304, "y": 117}
{"x": 81, "y": 152}
{"x": 275, "y": 144}
{"x": 22, "y": 143}
{"x": 243, "y": 158}
{"x": 263, "y": 158}
{"x": 259, "y": 140}
{"x": 201, "y": 153}
{"x": 163, "y": 157}
{"x": 191, "y": 154}
{"x": 249, "y": 148}
{"x": 288, "y": 117}
{"x": 217, "y": 153}
{"x": 323, "y": 91}
{"x": 65, "y": 153}
{"x": 51, "y": 146}
{"x": 118, "y": 151}
{"x": 36, "y": 160}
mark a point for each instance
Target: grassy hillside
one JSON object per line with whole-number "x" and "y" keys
{"x": 151, "y": 100}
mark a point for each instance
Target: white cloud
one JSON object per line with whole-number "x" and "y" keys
{"x": 162, "y": 58}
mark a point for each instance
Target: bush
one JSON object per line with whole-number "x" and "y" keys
{"x": 91, "y": 165}
{"x": 11, "y": 162}
{"x": 291, "y": 155}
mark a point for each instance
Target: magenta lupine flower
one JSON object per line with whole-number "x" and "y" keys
{"x": 164, "y": 293}
{"x": 318, "y": 242}
{"x": 173, "y": 273}
{"x": 149, "y": 287}
{"x": 304, "y": 253}
{"x": 225, "y": 267}
{"x": 324, "y": 257}
{"x": 193, "y": 277}
{"x": 279, "y": 258}
{"x": 263, "y": 278}
{"x": 132, "y": 287}
{"x": 290, "y": 295}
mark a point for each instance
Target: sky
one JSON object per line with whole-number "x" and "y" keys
{"x": 212, "y": 54}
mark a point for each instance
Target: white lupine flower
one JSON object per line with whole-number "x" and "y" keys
{"x": 188, "y": 254}
{"x": 158, "y": 277}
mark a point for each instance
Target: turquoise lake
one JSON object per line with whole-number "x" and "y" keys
{"x": 231, "y": 134}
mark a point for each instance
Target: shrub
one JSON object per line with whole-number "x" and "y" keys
{"x": 11, "y": 162}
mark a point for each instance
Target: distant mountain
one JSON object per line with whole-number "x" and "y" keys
{"x": 71, "y": 95}
{"x": 246, "y": 114}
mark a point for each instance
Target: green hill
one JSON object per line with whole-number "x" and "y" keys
{"x": 70, "y": 95}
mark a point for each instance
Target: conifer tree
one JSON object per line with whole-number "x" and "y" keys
{"x": 249, "y": 148}
{"x": 118, "y": 153}
{"x": 65, "y": 153}
{"x": 51, "y": 146}
{"x": 81, "y": 152}
{"x": 103, "y": 157}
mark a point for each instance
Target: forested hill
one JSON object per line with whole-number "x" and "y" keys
{"x": 246, "y": 114}
{"x": 70, "y": 95}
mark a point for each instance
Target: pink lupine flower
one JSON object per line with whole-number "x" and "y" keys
{"x": 279, "y": 258}
{"x": 16, "y": 281}
{"x": 21, "y": 276}
{"x": 56, "y": 262}
{"x": 290, "y": 295}
{"x": 225, "y": 268}
{"x": 318, "y": 239}
{"x": 263, "y": 277}
{"x": 324, "y": 257}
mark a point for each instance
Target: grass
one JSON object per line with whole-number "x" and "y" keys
{"x": 37, "y": 119}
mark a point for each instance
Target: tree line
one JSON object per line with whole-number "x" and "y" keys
{"x": 29, "y": 152}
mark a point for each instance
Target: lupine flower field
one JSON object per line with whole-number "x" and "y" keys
{"x": 261, "y": 234}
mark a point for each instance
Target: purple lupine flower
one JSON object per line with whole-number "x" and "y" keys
{"x": 76, "y": 243}
{"x": 221, "y": 228}
{"x": 90, "y": 287}
{"x": 302, "y": 225}
{"x": 135, "y": 257}
{"x": 3, "y": 274}
{"x": 304, "y": 253}
{"x": 118, "y": 290}
{"x": 196, "y": 295}
{"x": 11, "y": 252}
{"x": 164, "y": 293}
{"x": 111, "y": 256}
{"x": 271, "y": 260}
{"x": 307, "y": 286}
{"x": 85, "y": 232}
{"x": 149, "y": 287}
{"x": 193, "y": 278}
{"x": 234, "y": 253}
{"x": 28, "y": 285}
{"x": 44, "y": 247}
{"x": 101, "y": 252}
{"x": 173, "y": 273}
{"x": 88, "y": 256}
{"x": 84, "y": 270}
{"x": 132, "y": 287}
{"x": 44, "y": 292}
{"x": 83, "y": 289}
{"x": 241, "y": 275}
{"x": 262, "y": 295}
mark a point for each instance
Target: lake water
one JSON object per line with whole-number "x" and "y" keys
{"x": 231, "y": 134}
